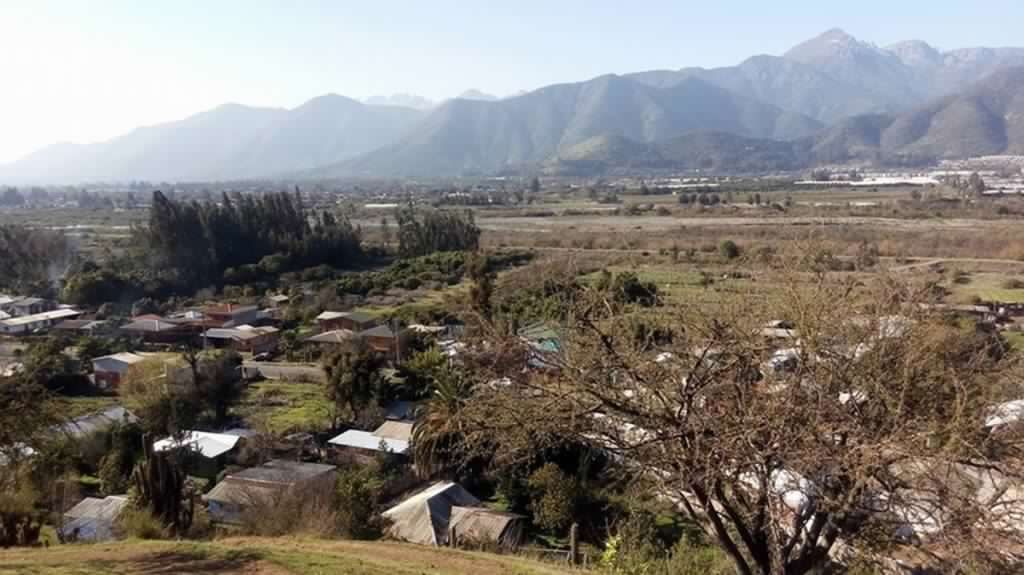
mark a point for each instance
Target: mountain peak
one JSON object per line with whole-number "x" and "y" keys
{"x": 474, "y": 94}
{"x": 403, "y": 100}
{"x": 827, "y": 44}
{"x": 916, "y": 53}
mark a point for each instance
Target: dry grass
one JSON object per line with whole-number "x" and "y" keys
{"x": 279, "y": 556}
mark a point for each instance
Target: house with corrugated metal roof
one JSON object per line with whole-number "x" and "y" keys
{"x": 93, "y": 519}
{"x": 264, "y": 484}
{"x": 446, "y": 514}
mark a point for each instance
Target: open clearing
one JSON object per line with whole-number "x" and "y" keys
{"x": 260, "y": 556}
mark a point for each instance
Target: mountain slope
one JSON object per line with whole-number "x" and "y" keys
{"x": 228, "y": 142}
{"x": 321, "y": 131}
{"x": 784, "y": 83}
{"x": 191, "y": 148}
{"x": 464, "y": 137}
{"x": 987, "y": 118}
{"x": 713, "y": 152}
{"x": 857, "y": 63}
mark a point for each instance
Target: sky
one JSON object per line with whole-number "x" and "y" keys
{"x": 89, "y": 70}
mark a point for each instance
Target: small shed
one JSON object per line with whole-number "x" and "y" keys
{"x": 93, "y": 519}
{"x": 108, "y": 370}
{"x": 430, "y": 516}
{"x": 485, "y": 526}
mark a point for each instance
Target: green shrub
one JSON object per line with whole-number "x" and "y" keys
{"x": 729, "y": 249}
{"x": 140, "y": 524}
{"x": 357, "y": 493}
{"x": 553, "y": 500}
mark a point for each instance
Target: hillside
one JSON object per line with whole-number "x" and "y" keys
{"x": 986, "y": 118}
{"x": 466, "y": 137}
{"x": 786, "y": 84}
{"x": 227, "y": 142}
{"x": 282, "y": 556}
{"x": 715, "y": 152}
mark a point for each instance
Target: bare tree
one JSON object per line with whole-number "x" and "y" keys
{"x": 869, "y": 435}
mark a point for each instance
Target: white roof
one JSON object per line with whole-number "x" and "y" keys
{"x": 331, "y": 315}
{"x": 202, "y": 442}
{"x": 367, "y": 440}
{"x": 45, "y": 316}
{"x": 124, "y": 357}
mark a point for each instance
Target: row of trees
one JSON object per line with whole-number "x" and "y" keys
{"x": 423, "y": 233}
{"x": 199, "y": 242}
{"x": 31, "y": 260}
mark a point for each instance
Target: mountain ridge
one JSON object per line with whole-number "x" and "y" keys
{"x": 833, "y": 97}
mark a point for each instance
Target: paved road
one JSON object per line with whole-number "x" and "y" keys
{"x": 310, "y": 372}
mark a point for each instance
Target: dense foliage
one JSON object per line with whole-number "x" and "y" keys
{"x": 435, "y": 231}
{"x": 205, "y": 243}
{"x": 32, "y": 259}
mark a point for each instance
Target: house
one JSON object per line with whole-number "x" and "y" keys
{"x": 207, "y": 444}
{"x": 445, "y": 508}
{"x": 334, "y": 339}
{"x": 93, "y": 519}
{"x": 108, "y": 370}
{"x": 155, "y": 329}
{"x": 82, "y": 327}
{"x": 231, "y": 315}
{"x": 29, "y": 306}
{"x": 99, "y": 421}
{"x": 26, "y": 324}
{"x": 244, "y": 338}
{"x": 229, "y": 499}
{"x": 352, "y": 320}
{"x": 363, "y": 446}
{"x": 383, "y": 340}
{"x": 277, "y": 301}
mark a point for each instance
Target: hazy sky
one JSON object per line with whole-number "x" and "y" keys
{"x": 88, "y": 70}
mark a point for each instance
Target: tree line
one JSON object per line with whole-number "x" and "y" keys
{"x": 31, "y": 259}
{"x": 199, "y": 243}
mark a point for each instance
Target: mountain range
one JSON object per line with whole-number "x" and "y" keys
{"x": 831, "y": 99}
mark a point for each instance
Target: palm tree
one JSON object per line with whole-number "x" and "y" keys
{"x": 438, "y": 428}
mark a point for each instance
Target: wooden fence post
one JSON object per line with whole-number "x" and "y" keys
{"x": 574, "y": 546}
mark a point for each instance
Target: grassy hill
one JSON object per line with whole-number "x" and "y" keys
{"x": 264, "y": 557}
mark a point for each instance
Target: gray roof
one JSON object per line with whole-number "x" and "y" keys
{"x": 334, "y": 336}
{"x": 423, "y": 518}
{"x": 255, "y": 483}
{"x": 238, "y": 333}
{"x": 479, "y": 524}
{"x": 88, "y": 424}
{"x": 283, "y": 471}
{"x": 378, "y": 331}
{"x": 149, "y": 326}
{"x": 92, "y": 508}
{"x": 360, "y": 316}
